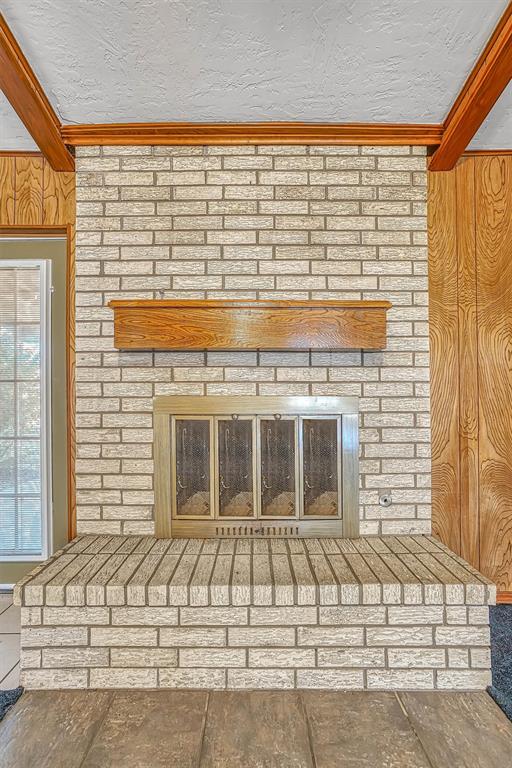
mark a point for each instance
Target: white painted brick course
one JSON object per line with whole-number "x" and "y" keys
{"x": 36, "y": 679}
{"x": 416, "y": 657}
{"x": 54, "y": 636}
{"x": 122, "y": 636}
{"x": 192, "y": 678}
{"x": 123, "y": 678}
{"x": 463, "y": 679}
{"x": 282, "y": 657}
{"x": 396, "y": 680}
{"x": 462, "y": 635}
{"x": 212, "y": 657}
{"x": 332, "y": 679}
{"x": 75, "y": 657}
{"x": 275, "y": 679}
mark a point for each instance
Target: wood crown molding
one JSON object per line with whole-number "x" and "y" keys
{"x": 20, "y": 153}
{"x": 26, "y": 96}
{"x": 487, "y": 80}
{"x": 251, "y": 133}
{"x": 486, "y": 152}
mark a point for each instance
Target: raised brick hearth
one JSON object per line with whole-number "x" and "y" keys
{"x": 376, "y": 612}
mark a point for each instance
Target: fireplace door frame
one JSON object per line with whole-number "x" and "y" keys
{"x": 168, "y": 409}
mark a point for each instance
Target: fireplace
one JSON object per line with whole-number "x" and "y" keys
{"x": 256, "y": 466}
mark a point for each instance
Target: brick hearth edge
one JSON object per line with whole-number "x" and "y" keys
{"x": 376, "y": 613}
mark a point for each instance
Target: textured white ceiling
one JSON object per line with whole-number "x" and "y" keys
{"x": 496, "y": 131}
{"x": 13, "y": 134}
{"x": 251, "y": 60}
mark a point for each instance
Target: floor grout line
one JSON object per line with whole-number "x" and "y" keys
{"x": 97, "y": 729}
{"x": 304, "y": 708}
{"x": 413, "y": 729}
{"x": 203, "y": 730}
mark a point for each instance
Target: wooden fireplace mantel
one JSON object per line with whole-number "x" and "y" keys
{"x": 249, "y": 324}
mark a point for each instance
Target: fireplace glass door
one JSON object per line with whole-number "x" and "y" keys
{"x": 192, "y": 467}
{"x": 278, "y": 470}
{"x": 235, "y": 458}
{"x": 321, "y": 466}
{"x": 291, "y": 472}
{"x": 256, "y": 467}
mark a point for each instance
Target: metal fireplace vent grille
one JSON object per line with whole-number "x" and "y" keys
{"x": 256, "y": 466}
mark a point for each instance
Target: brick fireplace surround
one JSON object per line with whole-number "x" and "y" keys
{"x": 267, "y": 222}
{"x": 251, "y": 222}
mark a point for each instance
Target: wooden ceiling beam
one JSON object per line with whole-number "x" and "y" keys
{"x": 25, "y": 94}
{"x": 486, "y": 82}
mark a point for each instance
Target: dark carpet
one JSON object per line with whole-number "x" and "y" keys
{"x": 501, "y": 652}
{"x": 8, "y": 698}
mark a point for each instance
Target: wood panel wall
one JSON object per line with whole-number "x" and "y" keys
{"x": 35, "y": 200}
{"x": 32, "y": 194}
{"x": 470, "y": 266}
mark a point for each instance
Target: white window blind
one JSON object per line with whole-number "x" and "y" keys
{"x": 25, "y": 488}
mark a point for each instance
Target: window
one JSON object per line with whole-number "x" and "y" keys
{"x": 25, "y": 476}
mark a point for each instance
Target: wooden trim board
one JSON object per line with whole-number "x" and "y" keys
{"x": 486, "y": 152}
{"x": 249, "y": 324}
{"x": 24, "y": 92}
{"x": 487, "y": 80}
{"x": 252, "y": 133}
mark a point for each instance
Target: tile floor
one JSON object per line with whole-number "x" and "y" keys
{"x": 254, "y": 729}
{"x": 9, "y": 642}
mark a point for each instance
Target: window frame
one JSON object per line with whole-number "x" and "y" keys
{"x": 45, "y": 337}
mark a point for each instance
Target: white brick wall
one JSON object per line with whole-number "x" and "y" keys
{"x": 251, "y": 648}
{"x": 251, "y": 222}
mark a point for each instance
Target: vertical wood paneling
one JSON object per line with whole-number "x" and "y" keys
{"x": 70, "y": 356}
{"x": 470, "y": 225}
{"x": 58, "y": 196}
{"x": 444, "y": 371}
{"x": 494, "y": 260}
{"x": 32, "y": 194}
{"x": 29, "y": 191}
{"x": 7, "y": 171}
{"x": 468, "y": 361}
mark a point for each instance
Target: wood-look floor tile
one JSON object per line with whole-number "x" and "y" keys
{"x": 460, "y": 730}
{"x": 10, "y": 620}
{"x": 11, "y": 680}
{"x": 5, "y": 601}
{"x": 256, "y": 729}
{"x": 150, "y": 729}
{"x": 361, "y": 730}
{"x": 51, "y": 729}
{"x": 9, "y": 653}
